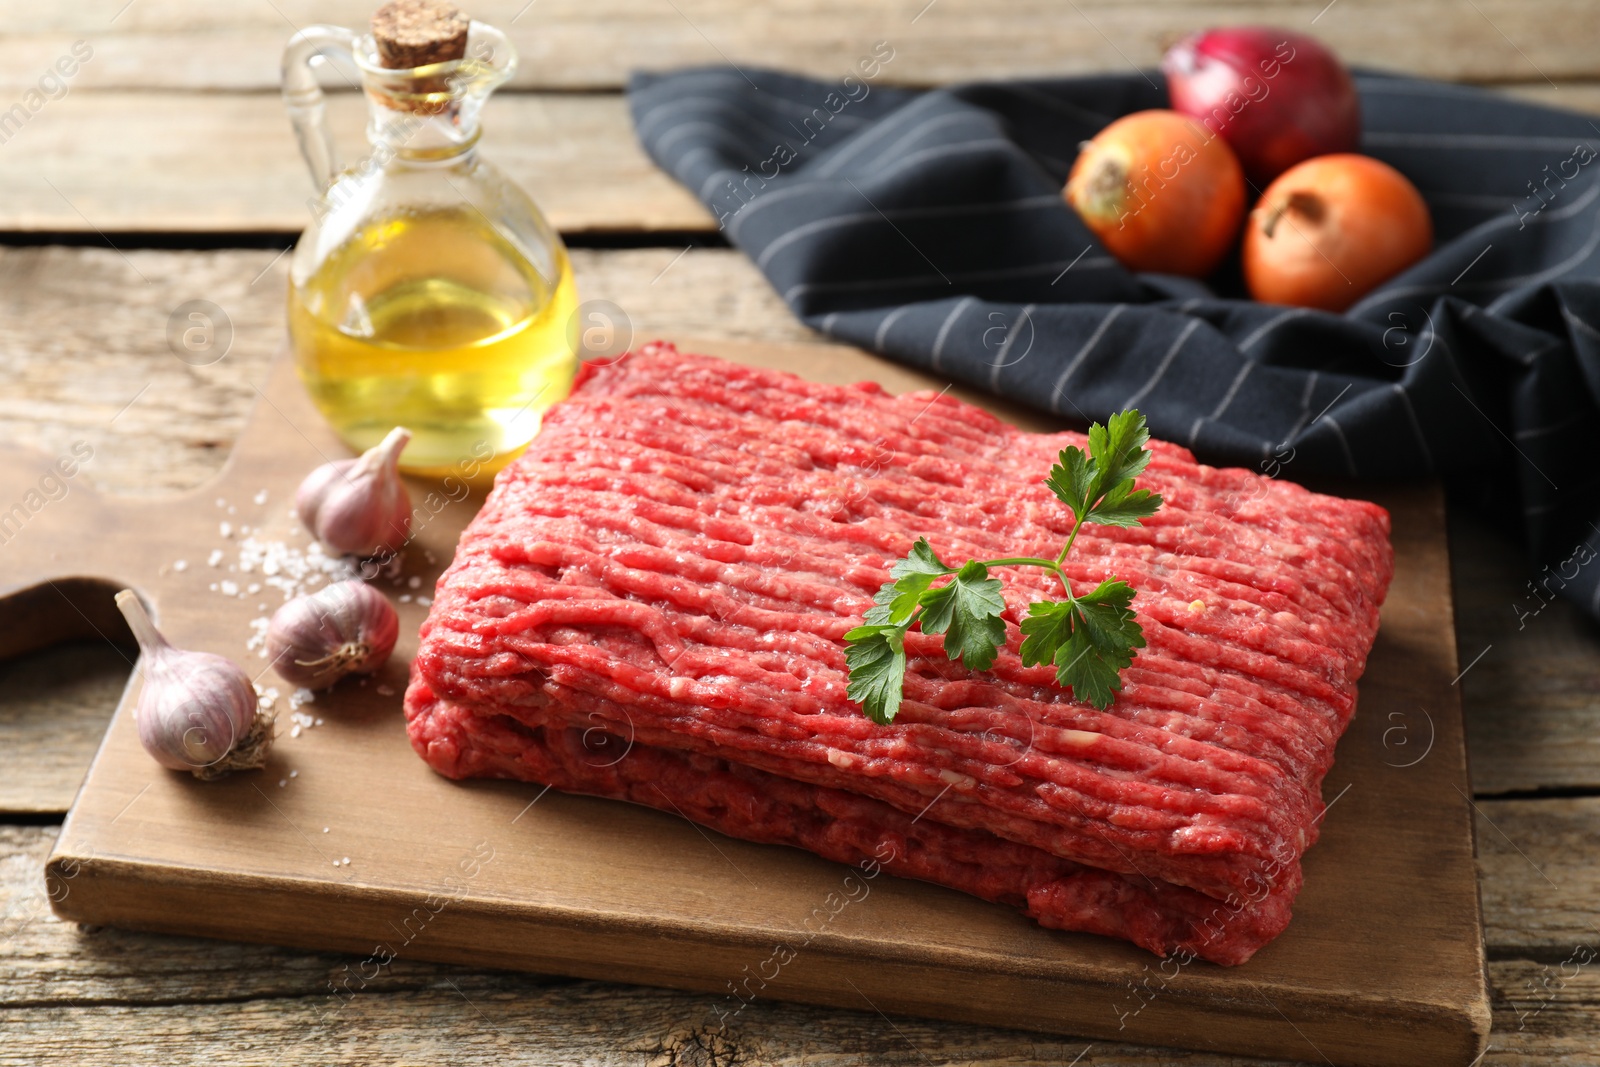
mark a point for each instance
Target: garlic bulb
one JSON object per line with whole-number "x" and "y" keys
{"x": 345, "y": 628}
{"x": 360, "y": 506}
{"x": 197, "y": 711}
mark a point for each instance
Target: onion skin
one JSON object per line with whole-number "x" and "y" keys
{"x": 1331, "y": 230}
{"x": 1276, "y": 97}
{"x": 345, "y": 628}
{"x": 1160, "y": 192}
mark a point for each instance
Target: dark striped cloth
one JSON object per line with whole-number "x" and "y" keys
{"x": 929, "y": 226}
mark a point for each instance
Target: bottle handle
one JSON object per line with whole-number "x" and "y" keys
{"x": 303, "y": 96}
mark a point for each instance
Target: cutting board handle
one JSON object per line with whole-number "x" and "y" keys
{"x": 58, "y": 541}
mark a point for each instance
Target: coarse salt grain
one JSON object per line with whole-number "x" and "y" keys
{"x": 258, "y": 634}
{"x": 261, "y": 497}
{"x": 180, "y": 565}
{"x": 386, "y": 690}
{"x": 230, "y": 588}
{"x": 425, "y": 601}
{"x": 215, "y": 559}
{"x": 225, "y": 529}
{"x": 414, "y": 582}
{"x": 294, "y": 774}
{"x": 405, "y": 598}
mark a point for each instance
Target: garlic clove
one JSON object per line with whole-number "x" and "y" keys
{"x": 359, "y": 506}
{"x": 196, "y": 711}
{"x": 346, "y": 628}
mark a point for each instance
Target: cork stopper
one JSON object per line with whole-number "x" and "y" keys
{"x": 415, "y": 33}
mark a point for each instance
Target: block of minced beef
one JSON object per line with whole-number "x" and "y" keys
{"x": 669, "y": 571}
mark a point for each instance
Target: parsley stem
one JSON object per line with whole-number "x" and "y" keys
{"x": 1054, "y": 566}
{"x": 1021, "y": 561}
{"x": 1071, "y": 537}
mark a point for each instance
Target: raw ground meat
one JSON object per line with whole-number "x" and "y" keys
{"x": 675, "y": 560}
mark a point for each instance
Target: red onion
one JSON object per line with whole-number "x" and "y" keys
{"x": 1276, "y": 97}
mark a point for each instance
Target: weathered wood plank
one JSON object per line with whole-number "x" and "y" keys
{"x": 474, "y": 1018}
{"x": 84, "y": 353}
{"x": 1526, "y": 917}
{"x": 1532, "y": 700}
{"x": 227, "y": 162}
{"x": 1536, "y": 873}
{"x": 192, "y": 44}
{"x": 104, "y": 996}
{"x": 190, "y": 162}
{"x": 52, "y": 718}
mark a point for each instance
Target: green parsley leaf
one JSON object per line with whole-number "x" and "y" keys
{"x": 1102, "y": 643}
{"x": 898, "y": 600}
{"x": 1093, "y": 672}
{"x": 876, "y": 659}
{"x": 1118, "y": 449}
{"x": 967, "y": 612}
{"x": 1046, "y": 628}
{"x": 1125, "y": 506}
{"x": 921, "y": 560}
{"x": 1090, "y": 639}
{"x": 1072, "y": 480}
{"x": 1107, "y": 615}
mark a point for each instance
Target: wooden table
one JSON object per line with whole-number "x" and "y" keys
{"x": 167, "y": 172}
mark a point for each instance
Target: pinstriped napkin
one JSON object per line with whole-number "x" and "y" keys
{"x": 929, "y": 226}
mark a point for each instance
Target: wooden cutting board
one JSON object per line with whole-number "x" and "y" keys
{"x": 1383, "y": 963}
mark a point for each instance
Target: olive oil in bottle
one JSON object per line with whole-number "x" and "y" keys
{"x": 428, "y": 291}
{"x": 432, "y": 320}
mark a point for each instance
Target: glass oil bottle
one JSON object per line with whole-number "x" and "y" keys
{"x": 429, "y": 292}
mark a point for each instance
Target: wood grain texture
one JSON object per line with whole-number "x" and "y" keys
{"x": 1541, "y": 889}
{"x": 83, "y": 343}
{"x": 218, "y": 162}
{"x": 1533, "y": 695}
{"x": 82, "y": 993}
{"x": 53, "y": 715}
{"x": 1525, "y": 917}
{"x": 590, "y": 44}
{"x": 462, "y": 1017}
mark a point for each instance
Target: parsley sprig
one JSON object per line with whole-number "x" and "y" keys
{"x": 1090, "y": 637}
